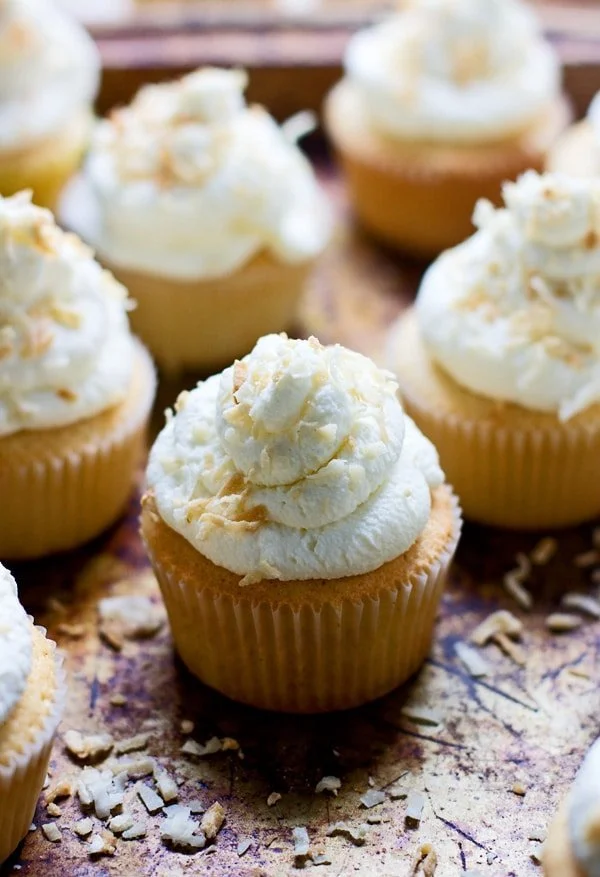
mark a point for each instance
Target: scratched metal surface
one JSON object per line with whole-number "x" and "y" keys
{"x": 520, "y": 724}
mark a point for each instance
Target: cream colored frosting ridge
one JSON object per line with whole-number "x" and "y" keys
{"x": 514, "y": 312}
{"x": 190, "y": 182}
{"x": 584, "y": 814}
{"x": 454, "y": 70}
{"x": 49, "y": 70}
{"x": 15, "y": 645}
{"x": 66, "y": 351}
{"x": 297, "y": 462}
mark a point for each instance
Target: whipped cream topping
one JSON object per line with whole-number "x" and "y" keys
{"x": 66, "y": 351}
{"x": 584, "y": 814}
{"x": 454, "y": 70}
{"x": 15, "y": 645}
{"x": 297, "y": 462}
{"x": 49, "y": 70}
{"x": 189, "y": 182}
{"x": 514, "y": 312}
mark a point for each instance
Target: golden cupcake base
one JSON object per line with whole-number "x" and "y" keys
{"x": 576, "y": 152}
{"x": 510, "y": 467}
{"x": 46, "y": 166}
{"x": 26, "y": 742}
{"x": 557, "y": 857}
{"x": 419, "y": 195}
{"x": 61, "y": 487}
{"x": 206, "y": 324}
{"x": 304, "y": 646}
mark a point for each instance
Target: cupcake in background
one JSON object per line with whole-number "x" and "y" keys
{"x": 32, "y": 695}
{"x": 441, "y": 103}
{"x": 499, "y": 360}
{"x": 76, "y": 388}
{"x": 572, "y": 848}
{"x": 49, "y": 76}
{"x": 206, "y": 211}
{"x": 577, "y": 150}
{"x": 300, "y": 529}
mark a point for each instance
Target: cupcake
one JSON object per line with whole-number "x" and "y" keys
{"x": 572, "y": 848}
{"x": 300, "y": 529}
{"x": 75, "y": 388}
{"x": 49, "y": 75}
{"x": 440, "y": 103}
{"x": 577, "y": 150}
{"x": 32, "y": 693}
{"x": 499, "y": 359}
{"x": 206, "y": 211}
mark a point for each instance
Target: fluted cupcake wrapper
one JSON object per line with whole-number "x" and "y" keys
{"x": 22, "y": 779}
{"x": 306, "y": 659}
{"x": 61, "y": 487}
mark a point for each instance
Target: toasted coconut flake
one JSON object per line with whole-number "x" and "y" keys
{"x": 372, "y": 798}
{"x": 102, "y": 844}
{"x": 213, "y": 820}
{"x": 181, "y": 831}
{"x": 118, "y": 700}
{"x": 88, "y": 747}
{"x": 137, "y": 768}
{"x": 519, "y": 789}
{"x": 427, "y": 861}
{"x": 513, "y": 587}
{"x": 212, "y": 746}
{"x": 73, "y": 631}
{"x": 587, "y": 558}
{"x": 320, "y": 859}
{"x": 544, "y": 551}
{"x": 102, "y": 790}
{"x": 273, "y": 798}
{"x": 583, "y": 602}
{"x": 414, "y": 808}
{"x": 301, "y": 841}
{"x": 500, "y": 622}
{"x": 537, "y": 852}
{"x": 128, "y": 617}
{"x": 138, "y": 830}
{"x": 243, "y": 846}
{"x": 511, "y": 649}
{"x": 151, "y": 801}
{"x": 186, "y": 726}
{"x": 119, "y": 824}
{"x": 54, "y": 810}
{"x": 51, "y": 832}
{"x": 472, "y": 661}
{"x": 421, "y": 715}
{"x": 357, "y": 834}
{"x": 84, "y": 827}
{"x": 131, "y": 744}
{"x": 62, "y": 788}
{"x": 328, "y": 784}
{"x": 562, "y": 622}
{"x": 167, "y": 787}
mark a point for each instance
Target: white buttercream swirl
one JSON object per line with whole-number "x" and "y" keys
{"x": 49, "y": 70}
{"x": 514, "y": 312}
{"x": 66, "y": 351}
{"x": 295, "y": 463}
{"x": 15, "y": 645}
{"x": 189, "y": 182}
{"x": 454, "y": 70}
{"x": 593, "y": 118}
{"x": 584, "y": 814}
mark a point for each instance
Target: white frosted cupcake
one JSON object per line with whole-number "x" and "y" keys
{"x": 49, "y": 76}
{"x": 76, "y": 388}
{"x": 206, "y": 211}
{"x": 300, "y": 529}
{"x": 32, "y": 693}
{"x": 440, "y": 103}
{"x": 499, "y": 360}
{"x": 577, "y": 151}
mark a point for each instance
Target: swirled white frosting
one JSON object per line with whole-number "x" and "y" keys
{"x": 584, "y": 814}
{"x": 593, "y": 117}
{"x": 514, "y": 312}
{"x": 49, "y": 70}
{"x": 15, "y": 645}
{"x": 66, "y": 351}
{"x": 189, "y": 182}
{"x": 295, "y": 463}
{"x": 454, "y": 70}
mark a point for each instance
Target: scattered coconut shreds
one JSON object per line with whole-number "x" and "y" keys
{"x": 472, "y": 661}
{"x": 544, "y": 551}
{"x": 357, "y": 834}
{"x": 151, "y": 801}
{"x": 582, "y": 602}
{"x": 101, "y": 790}
{"x": 320, "y": 859}
{"x": 62, "y": 788}
{"x": 414, "y": 808}
{"x": 328, "y": 784}
{"x": 562, "y": 622}
{"x": 196, "y": 806}
{"x": 372, "y": 798}
{"x": 500, "y": 622}
{"x": 511, "y": 649}
{"x": 118, "y": 700}
{"x": 427, "y": 861}
{"x": 51, "y": 832}
{"x": 88, "y": 747}
{"x": 273, "y": 798}
{"x": 514, "y": 588}
{"x": 243, "y": 846}
{"x": 181, "y": 831}
{"x": 595, "y": 576}
{"x": 136, "y": 768}
{"x": 102, "y": 844}
{"x": 167, "y": 788}
{"x": 128, "y": 617}
{"x": 73, "y": 631}
{"x": 131, "y": 744}
{"x": 421, "y": 715}
{"x": 579, "y": 672}
{"x": 191, "y": 747}
{"x": 213, "y": 820}
{"x": 83, "y": 827}
{"x": 587, "y": 558}
{"x": 138, "y": 830}
{"x": 119, "y": 824}
{"x": 54, "y": 810}
{"x": 537, "y": 853}
{"x": 301, "y": 841}
{"x": 186, "y": 726}
{"x": 519, "y": 789}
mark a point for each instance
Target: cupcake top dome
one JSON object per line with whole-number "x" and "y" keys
{"x": 584, "y": 814}
{"x": 66, "y": 351}
{"x": 514, "y": 312}
{"x": 454, "y": 70}
{"x": 15, "y": 645}
{"x": 191, "y": 182}
{"x": 297, "y": 462}
{"x": 49, "y": 69}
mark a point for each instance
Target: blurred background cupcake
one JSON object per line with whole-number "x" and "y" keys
{"x": 206, "y": 211}
{"x": 49, "y": 76}
{"x": 577, "y": 150}
{"x": 440, "y": 103}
